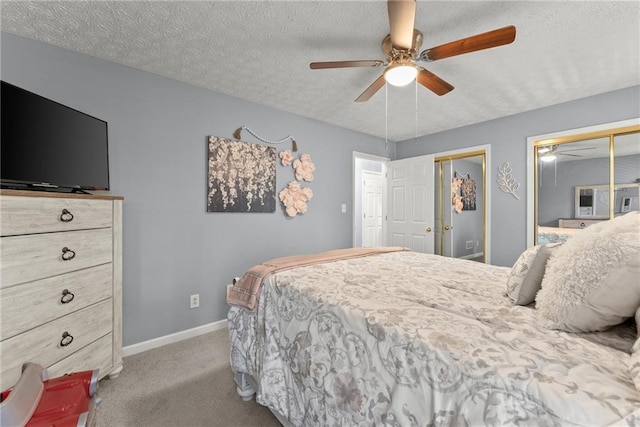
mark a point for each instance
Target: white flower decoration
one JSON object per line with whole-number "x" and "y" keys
{"x": 304, "y": 168}
{"x": 286, "y": 157}
{"x": 295, "y": 198}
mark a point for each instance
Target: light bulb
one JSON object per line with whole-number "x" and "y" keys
{"x": 400, "y": 74}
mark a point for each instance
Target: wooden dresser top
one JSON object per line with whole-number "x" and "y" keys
{"x": 52, "y": 194}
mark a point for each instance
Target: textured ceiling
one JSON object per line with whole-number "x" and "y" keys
{"x": 260, "y": 51}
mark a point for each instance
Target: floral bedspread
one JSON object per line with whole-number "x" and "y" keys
{"x": 409, "y": 339}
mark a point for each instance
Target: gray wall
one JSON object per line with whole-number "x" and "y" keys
{"x": 158, "y": 131}
{"x": 508, "y": 139}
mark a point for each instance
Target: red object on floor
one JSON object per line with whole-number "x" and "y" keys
{"x": 66, "y": 401}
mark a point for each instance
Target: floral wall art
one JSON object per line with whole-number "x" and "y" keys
{"x": 285, "y": 157}
{"x": 506, "y": 181}
{"x": 463, "y": 194}
{"x": 241, "y": 176}
{"x": 304, "y": 168}
{"x": 294, "y": 197}
{"x": 468, "y": 194}
{"x": 456, "y": 199}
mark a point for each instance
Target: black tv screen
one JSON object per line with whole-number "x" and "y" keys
{"x": 46, "y": 142}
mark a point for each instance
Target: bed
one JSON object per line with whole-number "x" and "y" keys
{"x": 403, "y": 338}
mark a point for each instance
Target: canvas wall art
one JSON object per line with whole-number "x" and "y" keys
{"x": 463, "y": 194}
{"x": 241, "y": 176}
{"x": 468, "y": 194}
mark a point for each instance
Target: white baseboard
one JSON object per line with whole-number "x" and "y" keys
{"x": 171, "y": 338}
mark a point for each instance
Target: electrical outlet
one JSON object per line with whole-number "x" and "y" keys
{"x": 194, "y": 301}
{"x": 469, "y": 244}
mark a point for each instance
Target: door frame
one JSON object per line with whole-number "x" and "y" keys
{"x": 356, "y": 180}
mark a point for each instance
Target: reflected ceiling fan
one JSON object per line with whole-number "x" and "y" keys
{"x": 548, "y": 153}
{"x": 401, "y": 47}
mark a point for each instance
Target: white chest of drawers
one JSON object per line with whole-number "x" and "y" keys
{"x": 60, "y": 283}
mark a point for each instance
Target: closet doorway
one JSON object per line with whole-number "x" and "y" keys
{"x": 369, "y": 200}
{"x": 372, "y": 207}
{"x": 460, "y": 208}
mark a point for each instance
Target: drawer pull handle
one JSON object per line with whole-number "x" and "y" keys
{"x": 67, "y": 254}
{"x": 66, "y": 216}
{"x": 67, "y": 297}
{"x": 583, "y": 225}
{"x": 67, "y": 339}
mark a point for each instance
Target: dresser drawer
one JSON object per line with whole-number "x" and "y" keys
{"x": 31, "y": 304}
{"x": 577, "y": 223}
{"x": 46, "y": 344}
{"x": 97, "y": 355}
{"x": 37, "y": 256}
{"x": 28, "y": 215}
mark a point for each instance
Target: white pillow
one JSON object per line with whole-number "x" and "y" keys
{"x": 519, "y": 271}
{"x": 591, "y": 283}
{"x": 526, "y": 274}
{"x": 634, "y": 364}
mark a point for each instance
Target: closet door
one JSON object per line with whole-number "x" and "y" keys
{"x": 411, "y": 196}
{"x": 460, "y": 213}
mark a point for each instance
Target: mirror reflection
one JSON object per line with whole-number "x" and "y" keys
{"x": 459, "y": 208}
{"x": 574, "y": 190}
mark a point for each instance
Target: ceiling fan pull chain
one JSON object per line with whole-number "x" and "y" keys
{"x": 416, "y": 90}
{"x": 386, "y": 116}
{"x": 294, "y": 145}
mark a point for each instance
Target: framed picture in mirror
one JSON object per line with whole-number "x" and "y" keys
{"x": 626, "y": 204}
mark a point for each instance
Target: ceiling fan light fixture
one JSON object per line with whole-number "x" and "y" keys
{"x": 548, "y": 158}
{"x": 400, "y": 74}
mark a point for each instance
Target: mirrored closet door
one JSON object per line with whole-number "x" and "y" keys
{"x": 584, "y": 178}
{"x": 460, "y": 209}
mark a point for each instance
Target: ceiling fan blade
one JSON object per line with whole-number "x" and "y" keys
{"x": 371, "y": 90}
{"x": 402, "y": 15}
{"x": 345, "y": 64}
{"x": 432, "y": 82}
{"x": 577, "y": 149}
{"x": 565, "y": 154}
{"x": 482, "y": 41}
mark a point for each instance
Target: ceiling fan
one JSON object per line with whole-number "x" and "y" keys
{"x": 401, "y": 47}
{"x": 548, "y": 153}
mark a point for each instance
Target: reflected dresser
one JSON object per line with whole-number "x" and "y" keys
{"x": 60, "y": 283}
{"x": 577, "y": 222}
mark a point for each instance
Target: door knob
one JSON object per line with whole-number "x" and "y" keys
{"x": 428, "y": 230}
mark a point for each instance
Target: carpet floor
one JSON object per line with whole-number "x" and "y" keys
{"x": 184, "y": 384}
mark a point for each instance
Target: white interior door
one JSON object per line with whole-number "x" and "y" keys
{"x": 372, "y": 209}
{"x": 411, "y": 195}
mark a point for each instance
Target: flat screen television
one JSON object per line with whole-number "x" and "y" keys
{"x": 46, "y": 145}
